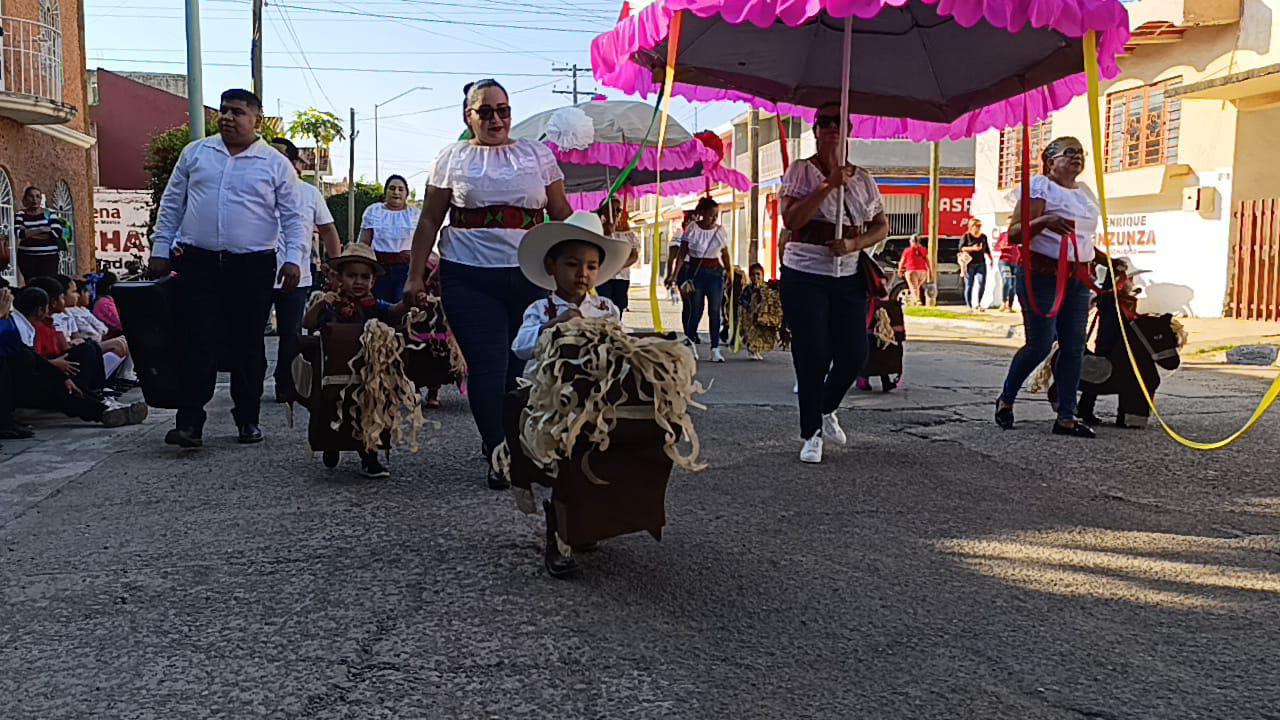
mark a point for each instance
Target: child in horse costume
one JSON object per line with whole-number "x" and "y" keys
{"x": 601, "y": 412}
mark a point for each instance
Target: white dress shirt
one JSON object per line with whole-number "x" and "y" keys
{"x": 314, "y": 214}
{"x": 540, "y": 314}
{"x": 232, "y": 203}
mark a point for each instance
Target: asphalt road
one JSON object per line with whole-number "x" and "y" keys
{"x": 936, "y": 568}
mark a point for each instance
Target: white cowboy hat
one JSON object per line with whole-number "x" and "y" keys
{"x": 581, "y": 225}
{"x": 1125, "y": 265}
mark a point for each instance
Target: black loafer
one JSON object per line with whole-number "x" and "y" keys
{"x": 1004, "y": 416}
{"x": 250, "y": 434}
{"x": 184, "y": 438}
{"x": 1079, "y": 430}
{"x": 1090, "y": 419}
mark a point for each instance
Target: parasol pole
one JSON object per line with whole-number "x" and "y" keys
{"x": 844, "y": 115}
{"x": 668, "y": 82}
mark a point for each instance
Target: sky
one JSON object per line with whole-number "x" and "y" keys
{"x": 336, "y": 55}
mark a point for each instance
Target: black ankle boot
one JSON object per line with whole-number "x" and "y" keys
{"x": 558, "y": 566}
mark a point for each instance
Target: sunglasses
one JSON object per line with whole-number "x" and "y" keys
{"x": 1070, "y": 152}
{"x": 486, "y": 113}
{"x": 827, "y": 122}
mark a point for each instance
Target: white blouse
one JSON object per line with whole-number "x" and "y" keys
{"x": 862, "y": 203}
{"x": 392, "y": 229}
{"x": 1077, "y": 204}
{"x": 633, "y": 239}
{"x": 706, "y": 244}
{"x": 482, "y": 176}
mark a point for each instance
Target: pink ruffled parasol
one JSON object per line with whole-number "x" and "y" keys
{"x": 921, "y": 70}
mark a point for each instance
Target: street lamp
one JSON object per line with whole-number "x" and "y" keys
{"x": 377, "y": 167}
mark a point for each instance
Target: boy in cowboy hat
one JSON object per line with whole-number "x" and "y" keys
{"x": 570, "y": 259}
{"x": 356, "y": 269}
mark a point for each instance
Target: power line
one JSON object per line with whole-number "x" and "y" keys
{"x": 437, "y": 20}
{"x": 457, "y": 106}
{"x": 289, "y": 26}
{"x": 305, "y": 81}
{"x": 338, "y": 69}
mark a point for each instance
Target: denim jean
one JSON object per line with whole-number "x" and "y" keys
{"x": 1068, "y": 328}
{"x": 390, "y": 285}
{"x": 485, "y": 307}
{"x": 828, "y": 321}
{"x": 708, "y": 288}
{"x": 289, "y": 310}
{"x": 1009, "y": 275}
{"x": 976, "y": 277}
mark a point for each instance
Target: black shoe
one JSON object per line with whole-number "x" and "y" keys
{"x": 16, "y": 433}
{"x": 1088, "y": 418}
{"x": 1004, "y": 416}
{"x": 1079, "y": 430}
{"x": 184, "y": 438}
{"x": 330, "y": 458}
{"x": 121, "y": 415}
{"x": 497, "y": 481}
{"x": 371, "y": 467}
{"x": 250, "y": 434}
{"x": 558, "y": 566}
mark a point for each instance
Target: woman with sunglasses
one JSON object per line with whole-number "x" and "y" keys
{"x": 1065, "y": 218}
{"x": 388, "y": 227}
{"x": 493, "y": 189}
{"x": 824, "y": 294}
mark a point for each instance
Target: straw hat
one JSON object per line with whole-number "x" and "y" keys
{"x": 357, "y": 252}
{"x": 582, "y": 226}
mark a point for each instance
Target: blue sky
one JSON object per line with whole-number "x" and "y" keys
{"x": 366, "y": 52}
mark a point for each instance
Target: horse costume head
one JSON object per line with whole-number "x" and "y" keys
{"x": 1160, "y": 336}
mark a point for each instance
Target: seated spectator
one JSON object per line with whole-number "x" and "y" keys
{"x": 31, "y": 381}
{"x": 81, "y": 361}
{"x": 104, "y": 307}
{"x": 84, "y": 326}
{"x": 10, "y": 343}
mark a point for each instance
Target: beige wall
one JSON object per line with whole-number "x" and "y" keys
{"x": 1257, "y": 161}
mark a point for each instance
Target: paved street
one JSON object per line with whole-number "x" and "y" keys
{"x": 937, "y": 568}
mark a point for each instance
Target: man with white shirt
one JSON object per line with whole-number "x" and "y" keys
{"x": 289, "y": 304}
{"x": 232, "y": 198}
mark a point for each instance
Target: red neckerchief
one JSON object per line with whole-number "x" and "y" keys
{"x": 347, "y": 307}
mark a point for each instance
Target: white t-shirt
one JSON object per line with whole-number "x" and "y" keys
{"x": 483, "y": 176}
{"x": 633, "y": 239}
{"x": 1078, "y": 204}
{"x": 705, "y": 244}
{"x": 862, "y": 203}
{"x": 392, "y": 229}
{"x": 315, "y": 212}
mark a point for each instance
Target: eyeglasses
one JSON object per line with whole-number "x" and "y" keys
{"x": 1071, "y": 152}
{"x": 486, "y": 113}
{"x": 827, "y": 122}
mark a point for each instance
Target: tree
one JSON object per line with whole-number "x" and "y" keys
{"x": 162, "y": 155}
{"x": 366, "y": 195}
{"x": 322, "y": 127}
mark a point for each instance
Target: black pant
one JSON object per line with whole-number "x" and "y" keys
{"x": 289, "y": 308}
{"x": 828, "y": 320}
{"x": 485, "y": 307}
{"x": 224, "y": 300}
{"x": 616, "y": 290}
{"x": 91, "y": 373}
{"x": 29, "y": 381}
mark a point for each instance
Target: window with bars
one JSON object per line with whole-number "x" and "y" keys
{"x": 1142, "y": 127}
{"x": 1011, "y": 151}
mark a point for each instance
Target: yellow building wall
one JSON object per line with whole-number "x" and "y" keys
{"x": 1257, "y": 161}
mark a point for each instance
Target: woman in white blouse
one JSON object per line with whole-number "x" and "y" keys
{"x": 824, "y": 295}
{"x": 493, "y": 189}
{"x": 388, "y": 227}
{"x": 1064, "y": 219}
{"x": 703, "y": 260}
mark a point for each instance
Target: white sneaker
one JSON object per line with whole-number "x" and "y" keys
{"x": 831, "y": 429}
{"x": 756, "y": 356}
{"x": 716, "y": 355}
{"x": 812, "y": 452}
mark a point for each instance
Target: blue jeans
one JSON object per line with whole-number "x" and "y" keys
{"x": 828, "y": 321}
{"x": 390, "y": 285}
{"x": 1009, "y": 274}
{"x": 708, "y": 287}
{"x": 977, "y": 275}
{"x": 1068, "y": 328}
{"x": 485, "y": 307}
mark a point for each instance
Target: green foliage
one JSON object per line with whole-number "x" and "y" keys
{"x": 323, "y": 127}
{"x": 366, "y": 195}
{"x": 162, "y": 156}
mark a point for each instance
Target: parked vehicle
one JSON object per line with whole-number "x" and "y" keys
{"x": 950, "y": 284}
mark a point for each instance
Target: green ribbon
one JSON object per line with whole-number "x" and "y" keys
{"x": 635, "y": 161}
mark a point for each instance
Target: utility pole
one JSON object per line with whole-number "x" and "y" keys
{"x": 256, "y": 49}
{"x": 351, "y": 181}
{"x": 195, "y": 87}
{"x": 573, "y": 70}
{"x": 935, "y": 200}
{"x": 753, "y": 142}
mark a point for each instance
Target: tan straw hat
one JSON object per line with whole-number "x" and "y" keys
{"x": 357, "y": 252}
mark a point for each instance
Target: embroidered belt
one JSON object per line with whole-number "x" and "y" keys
{"x": 392, "y": 258}
{"x": 506, "y": 217}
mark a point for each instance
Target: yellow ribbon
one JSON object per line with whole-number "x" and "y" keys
{"x": 673, "y": 47}
{"x": 1095, "y": 128}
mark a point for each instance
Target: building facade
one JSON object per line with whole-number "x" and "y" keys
{"x": 1192, "y": 164}
{"x": 44, "y": 131}
{"x": 127, "y": 111}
